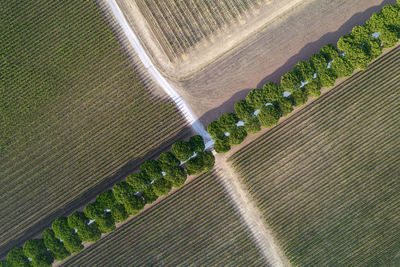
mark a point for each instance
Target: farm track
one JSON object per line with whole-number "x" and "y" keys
{"x": 106, "y": 113}
{"x": 325, "y": 178}
{"x": 198, "y": 224}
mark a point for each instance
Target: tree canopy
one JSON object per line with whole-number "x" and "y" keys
{"x": 252, "y": 125}
{"x": 151, "y": 169}
{"x": 196, "y": 143}
{"x": 16, "y": 257}
{"x": 162, "y": 187}
{"x": 269, "y": 116}
{"x": 138, "y": 181}
{"x": 222, "y": 145}
{"x": 290, "y": 81}
{"x": 37, "y": 251}
{"x": 243, "y": 110}
{"x": 54, "y": 245}
{"x": 176, "y": 175}
{"x": 319, "y": 62}
{"x": 122, "y": 192}
{"x": 313, "y": 88}
{"x": 284, "y": 105}
{"x": 106, "y": 200}
{"x": 228, "y": 121}
{"x": 237, "y": 135}
{"x": 119, "y": 213}
{"x": 305, "y": 71}
{"x": 181, "y": 150}
{"x": 299, "y": 97}
{"x": 215, "y": 130}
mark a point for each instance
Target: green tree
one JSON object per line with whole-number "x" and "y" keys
{"x": 16, "y": 257}
{"x": 93, "y": 209}
{"x": 215, "y": 130}
{"x": 138, "y": 181}
{"x": 89, "y": 233}
{"x": 237, "y": 135}
{"x": 151, "y": 169}
{"x": 181, "y": 150}
{"x": 119, "y": 213}
{"x": 72, "y": 243}
{"x": 252, "y": 125}
{"x": 37, "y": 251}
{"x": 195, "y": 165}
{"x": 222, "y": 145}
{"x": 122, "y": 192}
{"x": 327, "y": 78}
{"x": 271, "y": 92}
{"x": 228, "y": 121}
{"x": 149, "y": 195}
{"x": 196, "y": 143}
{"x": 290, "y": 81}
{"x": 342, "y": 67}
{"x": 168, "y": 159}
{"x": 256, "y": 98}
{"x": 319, "y": 62}
{"x": 269, "y": 116}
{"x": 305, "y": 71}
{"x": 284, "y": 105}
{"x": 106, "y": 200}
{"x": 54, "y": 245}
{"x": 176, "y": 175}
{"x": 134, "y": 203}
{"x": 208, "y": 160}
{"x": 313, "y": 88}
{"x": 105, "y": 223}
{"x": 243, "y": 110}
{"x": 5, "y": 263}
{"x": 61, "y": 228}
{"x": 162, "y": 187}
{"x": 329, "y": 52}
{"x": 299, "y": 97}
{"x": 77, "y": 220}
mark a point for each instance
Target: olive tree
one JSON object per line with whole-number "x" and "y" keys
{"x": 237, "y": 135}
{"x": 252, "y": 125}
{"x": 139, "y": 181}
{"x": 228, "y": 121}
{"x": 16, "y": 257}
{"x": 318, "y": 62}
{"x": 284, "y": 105}
{"x": 176, "y": 175}
{"x": 299, "y": 97}
{"x": 327, "y": 78}
{"x": 162, "y": 187}
{"x": 215, "y": 130}
{"x": 222, "y": 145}
{"x": 181, "y": 150}
{"x": 37, "y": 251}
{"x": 313, "y": 88}
{"x": 290, "y": 81}
{"x": 151, "y": 169}
{"x": 305, "y": 71}
{"x": 243, "y": 110}
{"x": 119, "y": 213}
{"x": 54, "y": 245}
{"x": 269, "y": 116}
{"x": 196, "y": 143}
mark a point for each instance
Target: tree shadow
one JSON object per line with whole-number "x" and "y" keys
{"x": 304, "y": 54}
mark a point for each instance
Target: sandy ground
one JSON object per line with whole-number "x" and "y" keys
{"x": 251, "y": 215}
{"x": 270, "y": 54}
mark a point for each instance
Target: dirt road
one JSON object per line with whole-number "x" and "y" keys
{"x": 251, "y": 214}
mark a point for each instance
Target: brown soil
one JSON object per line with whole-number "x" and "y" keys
{"x": 270, "y": 54}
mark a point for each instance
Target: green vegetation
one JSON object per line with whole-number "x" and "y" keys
{"x": 327, "y": 179}
{"x": 179, "y": 231}
{"x": 74, "y": 110}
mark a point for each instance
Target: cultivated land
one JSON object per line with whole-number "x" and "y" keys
{"x": 196, "y": 225}
{"x": 272, "y": 52}
{"x": 326, "y": 178}
{"x": 74, "y": 110}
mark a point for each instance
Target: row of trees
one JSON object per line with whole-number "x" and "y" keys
{"x": 263, "y": 107}
{"x": 155, "y": 178}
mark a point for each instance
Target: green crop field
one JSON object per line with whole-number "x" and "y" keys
{"x": 327, "y": 178}
{"x": 197, "y": 225}
{"x": 74, "y": 109}
{"x": 178, "y": 25}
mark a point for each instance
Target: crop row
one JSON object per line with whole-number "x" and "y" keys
{"x": 198, "y": 224}
{"x": 326, "y": 179}
{"x": 264, "y": 107}
{"x": 180, "y": 24}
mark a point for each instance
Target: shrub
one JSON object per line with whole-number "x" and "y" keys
{"x": 269, "y": 116}
{"x": 197, "y": 143}
{"x": 16, "y": 257}
{"x": 319, "y": 62}
{"x": 151, "y": 169}
{"x": 181, "y": 150}
{"x": 313, "y": 88}
{"x": 290, "y": 81}
{"x": 243, "y": 110}
{"x": 167, "y": 159}
{"x": 119, "y": 213}
{"x": 284, "y": 105}
{"x": 252, "y": 125}
{"x": 237, "y": 135}
{"x": 305, "y": 71}
{"x": 176, "y": 175}
{"x": 299, "y": 97}
{"x": 222, "y": 145}
{"x": 54, "y": 245}
{"x": 162, "y": 187}
{"x": 215, "y": 130}
{"x": 228, "y": 121}
{"x": 138, "y": 181}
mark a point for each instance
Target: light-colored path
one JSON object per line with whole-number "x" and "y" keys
{"x": 251, "y": 214}
{"x": 156, "y": 75}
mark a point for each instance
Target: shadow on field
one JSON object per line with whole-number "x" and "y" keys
{"x": 304, "y": 54}
{"x": 90, "y": 194}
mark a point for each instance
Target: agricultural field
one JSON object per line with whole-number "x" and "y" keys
{"x": 326, "y": 178}
{"x": 196, "y": 225}
{"x": 74, "y": 109}
{"x": 178, "y": 25}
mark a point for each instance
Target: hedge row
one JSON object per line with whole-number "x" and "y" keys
{"x": 263, "y": 107}
{"x": 155, "y": 178}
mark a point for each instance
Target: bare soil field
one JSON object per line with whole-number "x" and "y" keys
{"x": 271, "y": 53}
